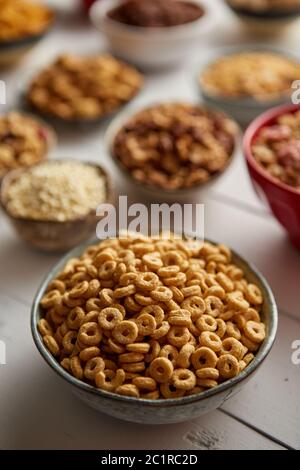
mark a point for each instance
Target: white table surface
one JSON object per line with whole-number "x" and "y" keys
{"x": 36, "y": 408}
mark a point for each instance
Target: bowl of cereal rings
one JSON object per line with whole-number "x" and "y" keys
{"x": 154, "y": 330}
{"x": 272, "y": 150}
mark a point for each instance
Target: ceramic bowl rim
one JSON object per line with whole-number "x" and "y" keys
{"x": 160, "y": 403}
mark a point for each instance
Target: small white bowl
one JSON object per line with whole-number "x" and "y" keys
{"x": 149, "y": 47}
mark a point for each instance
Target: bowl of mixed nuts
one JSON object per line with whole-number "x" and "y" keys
{"x": 82, "y": 89}
{"x": 272, "y": 150}
{"x": 52, "y": 205}
{"x": 246, "y": 81}
{"x": 154, "y": 330}
{"x": 172, "y": 149}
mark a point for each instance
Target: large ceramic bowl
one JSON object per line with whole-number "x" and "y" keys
{"x": 283, "y": 200}
{"x": 151, "y": 47}
{"x": 160, "y": 411}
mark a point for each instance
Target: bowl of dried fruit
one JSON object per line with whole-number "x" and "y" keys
{"x": 82, "y": 89}
{"x": 172, "y": 149}
{"x": 246, "y": 81}
{"x": 154, "y": 330}
{"x": 272, "y": 150}
{"x": 52, "y": 205}
{"x": 24, "y": 141}
{"x": 22, "y": 25}
{"x": 153, "y": 33}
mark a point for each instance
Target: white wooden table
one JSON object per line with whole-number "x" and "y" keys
{"x": 36, "y": 408}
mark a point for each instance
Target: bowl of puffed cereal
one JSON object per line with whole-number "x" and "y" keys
{"x": 154, "y": 330}
{"x": 272, "y": 150}
{"x": 246, "y": 81}
{"x": 23, "y": 23}
{"x": 172, "y": 149}
{"x": 52, "y": 205}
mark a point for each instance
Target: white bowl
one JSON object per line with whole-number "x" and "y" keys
{"x": 151, "y": 47}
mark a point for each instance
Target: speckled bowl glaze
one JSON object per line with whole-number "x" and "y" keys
{"x": 161, "y": 411}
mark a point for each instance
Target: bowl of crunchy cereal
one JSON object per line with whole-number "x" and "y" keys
{"x": 246, "y": 81}
{"x": 153, "y": 33}
{"x": 272, "y": 150}
{"x": 172, "y": 149}
{"x": 82, "y": 89}
{"x": 154, "y": 330}
{"x": 23, "y": 23}
{"x": 52, "y": 205}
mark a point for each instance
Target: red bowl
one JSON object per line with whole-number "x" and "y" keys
{"x": 284, "y": 201}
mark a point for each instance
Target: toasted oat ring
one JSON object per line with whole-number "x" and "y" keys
{"x": 233, "y": 347}
{"x": 109, "y": 317}
{"x": 207, "y": 383}
{"x": 156, "y": 311}
{"x": 253, "y": 294}
{"x": 179, "y": 317}
{"x": 169, "y": 391}
{"x": 228, "y": 366}
{"x": 177, "y": 280}
{"x": 88, "y": 353}
{"x": 151, "y": 395}
{"x": 251, "y": 345}
{"x": 115, "y": 347}
{"x": 161, "y": 369}
{"x": 162, "y": 294}
{"x": 45, "y": 328}
{"x": 146, "y": 324}
{"x": 131, "y": 357}
{"x": 79, "y": 290}
{"x": 184, "y": 356}
{"x": 106, "y": 297}
{"x": 178, "y": 335}
{"x": 170, "y": 352}
{"x": 221, "y": 328}
{"x": 214, "y": 305}
{"x": 128, "y": 390}
{"x": 207, "y": 323}
{"x": 161, "y": 331}
{"x": 69, "y": 341}
{"x": 204, "y": 357}
{"x": 251, "y": 314}
{"x": 51, "y": 345}
{"x": 255, "y": 331}
{"x": 208, "y": 373}
{"x": 183, "y": 379}
{"x": 75, "y": 318}
{"x": 131, "y": 305}
{"x": 232, "y": 330}
{"x": 125, "y": 332}
{"x": 93, "y": 304}
{"x": 92, "y": 316}
{"x": 76, "y": 368}
{"x": 145, "y": 384}
{"x": 51, "y": 299}
{"x": 168, "y": 271}
{"x": 191, "y": 291}
{"x": 65, "y": 363}
{"x": 153, "y": 352}
{"x": 211, "y": 340}
{"x": 90, "y": 334}
{"x": 142, "y": 348}
{"x": 143, "y": 300}
{"x": 195, "y": 305}
{"x": 109, "y": 380}
{"x": 177, "y": 294}
{"x": 56, "y": 284}
{"x": 147, "y": 281}
{"x": 107, "y": 270}
{"x": 248, "y": 358}
{"x": 128, "y": 278}
{"x": 152, "y": 262}
{"x": 121, "y": 292}
{"x": 172, "y": 258}
{"x": 134, "y": 367}
{"x": 93, "y": 366}
{"x": 236, "y": 301}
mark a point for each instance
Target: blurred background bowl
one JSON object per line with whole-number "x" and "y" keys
{"x": 149, "y": 47}
{"x": 283, "y": 200}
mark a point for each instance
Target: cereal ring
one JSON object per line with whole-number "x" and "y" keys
{"x": 131, "y": 357}
{"x": 134, "y": 367}
{"x": 228, "y": 366}
{"x": 51, "y": 345}
{"x": 109, "y": 380}
{"x": 161, "y": 369}
{"x": 177, "y": 294}
{"x": 233, "y": 331}
{"x": 121, "y": 292}
{"x": 184, "y": 356}
{"x": 65, "y": 363}
{"x": 145, "y": 384}
{"x": 204, "y": 357}
{"x": 179, "y": 318}
{"x": 207, "y": 383}
{"x": 253, "y": 294}
{"x": 191, "y": 291}
{"x": 170, "y": 352}
{"x": 236, "y": 301}
{"x": 214, "y": 306}
{"x": 92, "y": 316}
{"x": 109, "y": 317}
{"x": 168, "y": 271}
{"x": 221, "y": 328}
{"x": 178, "y": 335}
{"x": 125, "y": 332}
{"x": 169, "y": 391}
{"x": 183, "y": 379}
{"x": 177, "y": 280}
{"x": 128, "y": 278}
{"x": 75, "y": 318}
{"x": 156, "y": 311}
{"x": 248, "y": 358}
{"x": 150, "y": 395}
{"x": 195, "y": 305}
{"x": 93, "y": 290}
{"x": 233, "y": 347}
{"x": 142, "y": 348}
{"x": 88, "y": 353}
{"x": 109, "y": 364}
{"x": 208, "y": 373}
{"x": 79, "y": 290}
{"x": 146, "y": 324}
{"x": 106, "y": 297}
{"x": 227, "y": 315}
{"x": 206, "y": 323}
{"x": 144, "y": 300}
{"x": 211, "y": 340}
{"x": 129, "y": 390}
{"x": 161, "y": 331}
{"x": 107, "y": 270}
{"x": 251, "y": 345}
{"x": 56, "y": 284}
{"x": 44, "y": 328}
{"x": 93, "y": 304}
{"x": 255, "y": 331}
{"x": 251, "y": 314}
{"x": 225, "y": 282}
{"x": 153, "y": 352}
{"x": 131, "y": 305}
{"x": 162, "y": 294}
{"x": 147, "y": 281}
{"x": 90, "y": 334}
{"x": 69, "y": 341}
{"x": 51, "y": 299}
{"x": 152, "y": 261}
{"x": 76, "y": 368}
{"x": 115, "y": 347}
{"x": 93, "y": 366}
